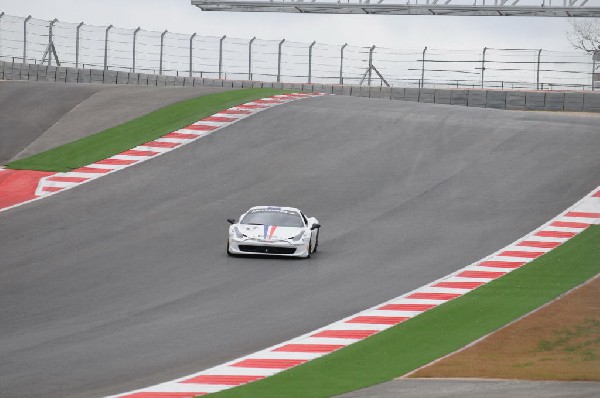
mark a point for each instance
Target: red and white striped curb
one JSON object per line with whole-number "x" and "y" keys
{"x": 59, "y": 182}
{"x": 373, "y": 320}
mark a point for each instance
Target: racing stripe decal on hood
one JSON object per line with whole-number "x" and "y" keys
{"x": 273, "y": 228}
{"x": 269, "y": 231}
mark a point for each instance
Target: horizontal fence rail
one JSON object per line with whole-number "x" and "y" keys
{"x": 78, "y": 45}
{"x": 492, "y": 8}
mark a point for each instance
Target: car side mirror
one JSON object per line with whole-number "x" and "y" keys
{"x": 231, "y": 221}
{"x": 315, "y": 226}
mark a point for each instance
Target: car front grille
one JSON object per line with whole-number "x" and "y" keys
{"x": 267, "y": 249}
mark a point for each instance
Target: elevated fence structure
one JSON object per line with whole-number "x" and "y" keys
{"x": 529, "y": 8}
{"x": 78, "y": 45}
{"x": 575, "y": 101}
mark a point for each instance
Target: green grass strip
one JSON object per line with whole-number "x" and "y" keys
{"x": 138, "y": 131}
{"x": 438, "y": 331}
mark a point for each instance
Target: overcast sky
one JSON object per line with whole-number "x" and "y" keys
{"x": 441, "y": 32}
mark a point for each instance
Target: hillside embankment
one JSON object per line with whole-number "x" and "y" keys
{"x": 37, "y": 116}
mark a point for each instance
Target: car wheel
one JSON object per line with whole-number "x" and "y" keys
{"x": 317, "y": 242}
{"x": 228, "y": 252}
{"x": 309, "y": 251}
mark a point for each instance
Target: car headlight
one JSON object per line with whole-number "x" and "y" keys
{"x": 238, "y": 234}
{"x": 301, "y": 236}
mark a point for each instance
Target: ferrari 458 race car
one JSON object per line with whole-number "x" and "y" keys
{"x": 277, "y": 231}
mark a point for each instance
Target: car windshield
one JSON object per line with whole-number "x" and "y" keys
{"x": 280, "y": 218}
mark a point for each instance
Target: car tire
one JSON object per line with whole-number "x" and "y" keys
{"x": 317, "y": 242}
{"x": 309, "y": 251}
{"x": 228, "y": 252}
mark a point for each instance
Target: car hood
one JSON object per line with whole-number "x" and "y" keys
{"x": 269, "y": 232}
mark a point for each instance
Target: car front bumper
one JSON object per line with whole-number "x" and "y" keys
{"x": 268, "y": 248}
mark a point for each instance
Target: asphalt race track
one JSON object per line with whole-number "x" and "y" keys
{"x": 124, "y": 282}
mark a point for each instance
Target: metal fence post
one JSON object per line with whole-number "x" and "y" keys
{"x": 342, "y": 63}
{"x": 537, "y": 80}
{"x": 483, "y": 65}
{"x": 310, "y": 61}
{"x": 423, "y": 68}
{"x": 25, "y": 38}
{"x": 1, "y": 15}
{"x": 77, "y": 38}
{"x": 595, "y": 57}
{"x": 279, "y": 61}
{"x": 133, "y": 51}
{"x": 192, "y": 37}
{"x": 162, "y": 46}
{"x": 370, "y": 63}
{"x": 221, "y": 55}
{"x": 250, "y": 58}
{"x": 106, "y": 47}
{"x": 51, "y": 48}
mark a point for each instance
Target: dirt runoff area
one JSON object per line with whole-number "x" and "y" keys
{"x": 561, "y": 341}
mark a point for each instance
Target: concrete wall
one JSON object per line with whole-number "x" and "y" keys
{"x": 579, "y": 101}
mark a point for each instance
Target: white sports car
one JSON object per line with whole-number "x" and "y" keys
{"x": 278, "y": 231}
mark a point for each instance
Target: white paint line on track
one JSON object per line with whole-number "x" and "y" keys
{"x": 353, "y": 326}
{"x": 211, "y": 124}
{"x": 231, "y": 115}
{"x": 298, "y": 350}
{"x": 110, "y": 167}
{"x": 187, "y": 387}
{"x": 391, "y": 313}
{"x": 545, "y": 239}
{"x": 160, "y": 150}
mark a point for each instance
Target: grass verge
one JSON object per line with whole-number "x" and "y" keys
{"x": 138, "y": 131}
{"x": 438, "y": 331}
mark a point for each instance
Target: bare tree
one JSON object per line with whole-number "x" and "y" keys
{"x": 585, "y": 35}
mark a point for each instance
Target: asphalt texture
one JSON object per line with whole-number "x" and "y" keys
{"x": 124, "y": 282}
{"x": 38, "y": 116}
